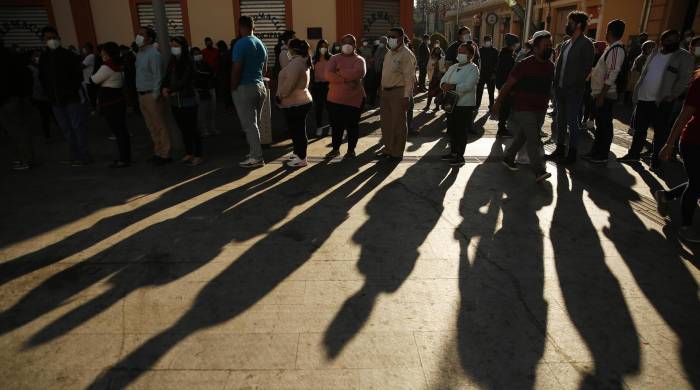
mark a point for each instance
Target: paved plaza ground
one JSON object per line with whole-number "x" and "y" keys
{"x": 351, "y": 274}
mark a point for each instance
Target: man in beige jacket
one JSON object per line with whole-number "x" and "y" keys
{"x": 398, "y": 79}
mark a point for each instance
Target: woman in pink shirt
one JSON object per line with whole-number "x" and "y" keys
{"x": 319, "y": 85}
{"x": 344, "y": 73}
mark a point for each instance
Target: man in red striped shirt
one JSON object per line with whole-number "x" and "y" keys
{"x": 603, "y": 90}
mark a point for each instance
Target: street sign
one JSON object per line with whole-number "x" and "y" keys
{"x": 491, "y": 18}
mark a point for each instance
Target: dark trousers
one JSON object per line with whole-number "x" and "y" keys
{"x": 186, "y": 119}
{"x": 569, "y": 102}
{"x": 343, "y": 118}
{"x": 115, "y": 115}
{"x": 645, "y": 114}
{"x": 604, "y": 129}
{"x": 372, "y": 87}
{"x": 422, "y": 74}
{"x": 490, "y": 84}
{"x": 320, "y": 94}
{"x": 504, "y": 113}
{"x": 296, "y": 123}
{"x": 71, "y": 120}
{"x": 689, "y": 192}
{"x": 459, "y": 122}
{"x": 44, "y": 108}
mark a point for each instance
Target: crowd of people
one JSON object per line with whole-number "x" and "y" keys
{"x": 582, "y": 79}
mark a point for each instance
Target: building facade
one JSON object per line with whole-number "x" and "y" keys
{"x": 498, "y": 17}
{"x": 80, "y": 21}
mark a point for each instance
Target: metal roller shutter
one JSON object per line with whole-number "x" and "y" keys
{"x": 379, "y": 16}
{"x": 22, "y": 26}
{"x": 173, "y": 12}
{"x": 270, "y": 22}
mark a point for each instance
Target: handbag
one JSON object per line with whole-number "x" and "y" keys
{"x": 450, "y": 98}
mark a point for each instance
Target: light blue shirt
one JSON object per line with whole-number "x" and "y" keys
{"x": 465, "y": 78}
{"x": 149, "y": 74}
{"x": 252, "y": 54}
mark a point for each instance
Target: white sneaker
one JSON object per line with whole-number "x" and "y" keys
{"x": 251, "y": 163}
{"x": 291, "y": 157}
{"x": 297, "y": 162}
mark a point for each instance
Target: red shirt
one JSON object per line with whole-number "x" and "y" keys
{"x": 211, "y": 57}
{"x": 533, "y": 86}
{"x": 691, "y": 131}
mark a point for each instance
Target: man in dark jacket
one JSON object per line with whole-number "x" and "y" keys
{"x": 17, "y": 82}
{"x": 464, "y": 35}
{"x": 487, "y": 74}
{"x": 423, "y": 55}
{"x": 573, "y": 66}
{"x": 61, "y": 75}
{"x": 506, "y": 61}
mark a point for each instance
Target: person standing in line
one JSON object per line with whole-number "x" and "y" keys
{"x": 487, "y": 74}
{"x": 506, "y": 62}
{"x": 423, "y": 57}
{"x": 39, "y": 99}
{"x": 248, "y": 89}
{"x": 223, "y": 76}
{"x": 687, "y": 128}
{"x": 178, "y": 88}
{"x": 281, "y": 58}
{"x": 531, "y": 82}
{"x": 15, "y": 109}
{"x": 436, "y": 69}
{"x": 61, "y": 76}
{"x": 204, "y": 84}
{"x": 663, "y": 81}
{"x": 211, "y": 54}
{"x": 604, "y": 91}
{"x": 344, "y": 73}
{"x": 571, "y": 70}
{"x": 149, "y": 77}
{"x": 398, "y": 78}
{"x": 294, "y": 98}
{"x": 365, "y": 51}
{"x": 464, "y": 35}
{"x": 462, "y": 79}
{"x": 90, "y": 65}
{"x": 319, "y": 86}
{"x": 376, "y": 69}
{"x": 112, "y": 101}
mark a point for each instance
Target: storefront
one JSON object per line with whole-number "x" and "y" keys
{"x": 21, "y": 25}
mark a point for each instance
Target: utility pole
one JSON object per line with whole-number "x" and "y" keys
{"x": 528, "y": 20}
{"x": 161, "y": 26}
{"x": 459, "y": 3}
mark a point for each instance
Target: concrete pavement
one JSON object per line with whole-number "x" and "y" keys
{"x": 345, "y": 274}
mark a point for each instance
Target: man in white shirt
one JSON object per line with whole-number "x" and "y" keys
{"x": 663, "y": 81}
{"x": 604, "y": 90}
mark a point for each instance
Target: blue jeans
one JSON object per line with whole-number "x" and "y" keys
{"x": 568, "y": 102}
{"x": 248, "y": 100}
{"x": 71, "y": 120}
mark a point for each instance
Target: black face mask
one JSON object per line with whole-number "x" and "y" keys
{"x": 569, "y": 30}
{"x": 547, "y": 53}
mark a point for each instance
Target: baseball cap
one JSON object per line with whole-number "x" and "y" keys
{"x": 539, "y": 34}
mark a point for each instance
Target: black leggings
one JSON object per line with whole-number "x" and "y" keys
{"x": 320, "y": 94}
{"x": 115, "y": 114}
{"x": 343, "y": 118}
{"x": 186, "y": 119}
{"x": 459, "y": 123}
{"x": 296, "y": 122}
{"x": 689, "y": 192}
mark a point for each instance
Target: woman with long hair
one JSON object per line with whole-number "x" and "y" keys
{"x": 345, "y": 72}
{"x": 319, "y": 86}
{"x": 294, "y": 98}
{"x": 178, "y": 86}
{"x": 111, "y": 99}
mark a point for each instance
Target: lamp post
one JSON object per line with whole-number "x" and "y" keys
{"x": 161, "y": 26}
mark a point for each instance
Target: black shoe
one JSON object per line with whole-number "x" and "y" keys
{"x": 333, "y": 153}
{"x": 350, "y": 154}
{"x": 571, "y": 157}
{"x": 504, "y": 134}
{"x": 457, "y": 162}
{"x": 628, "y": 158}
{"x": 555, "y": 155}
{"x": 510, "y": 164}
{"x": 542, "y": 176}
{"x": 447, "y": 157}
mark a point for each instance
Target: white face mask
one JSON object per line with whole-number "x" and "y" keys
{"x": 697, "y": 51}
{"x": 462, "y": 58}
{"x": 347, "y": 49}
{"x": 139, "y": 40}
{"x": 197, "y": 57}
{"x": 176, "y": 51}
{"x": 487, "y": 44}
{"x": 323, "y": 51}
{"x": 465, "y": 37}
{"x": 53, "y": 44}
{"x": 365, "y": 43}
{"x": 393, "y": 43}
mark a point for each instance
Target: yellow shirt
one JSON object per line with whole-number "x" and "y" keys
{"x": 399, "y": 70}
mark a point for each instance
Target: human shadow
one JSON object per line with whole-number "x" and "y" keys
{"x": 658, "y": 269}
{"x": 400, "y": 218}
{"x": 591, "y": 294}
{"x": 502, "y": 318}
{"x": 156, "y": 254}
{"x": 256, "y": 272}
